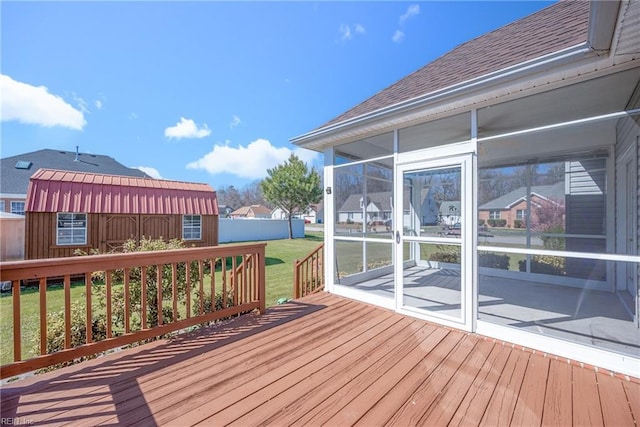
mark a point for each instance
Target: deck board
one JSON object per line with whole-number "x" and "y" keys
{"x": 558, "y": 403}
{"x": 328, "y": 360}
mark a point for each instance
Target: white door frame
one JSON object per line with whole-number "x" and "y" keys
{"x": 626, "y": 189}
{"x": 467, "y": 240}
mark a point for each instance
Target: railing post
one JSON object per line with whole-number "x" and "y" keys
{"x": 296, "y": 279}
{"x": 262, "y": 294}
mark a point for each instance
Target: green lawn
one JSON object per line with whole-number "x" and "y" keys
{"x": 280, "y": 256}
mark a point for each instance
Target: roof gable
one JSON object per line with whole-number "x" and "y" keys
{"x": 559, "y": 26}
{"x": 549, "y": 192}
{"x": 65, "y": 191}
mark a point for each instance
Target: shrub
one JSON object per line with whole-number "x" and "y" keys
{"x": 501, "y": 222}
{"x": 544, "y": 264}
{"x": 445, "y": 253}
{"x": 56, "y": 332}
{"x": 492, "y": 260}
{"x": 491, "y": 222}
{"x": 481, "y": 222}
{"x": 518, "y": 223}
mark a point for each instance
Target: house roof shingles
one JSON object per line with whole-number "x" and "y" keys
{"x": 255, "y": 209}
{"x": 552, "y": 192}
{"x": 559, "y": 26}
{"x": 16, "y": 181}
{"x": 66, "y": 191}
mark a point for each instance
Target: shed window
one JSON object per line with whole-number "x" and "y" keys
{"x": 17, "y": 208}
{"x": 192, "y": 227}
{"x": 72, "y": 229}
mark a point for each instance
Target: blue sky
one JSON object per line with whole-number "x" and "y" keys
{"x": 211, "y": 91}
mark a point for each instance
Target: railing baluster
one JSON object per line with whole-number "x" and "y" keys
{"x": 187, "y": 268}
{"x": 108, "y": 296}
{"x": 17, "y": 323}
{"x": 67, "y": 311}
{"x": 174, "y": 290}
{"x": 127, "y": 302}
{"x": 143, "y": 297}
{"x": 87, "y": 287}
{"x": 201, "y": 283}
{"x": 43, "y": 315}
{"x": 159, "y": 289}
{"x": 234, "y": 281}
{"x": 224, "y": 282}
{"x": 213, "y": 285}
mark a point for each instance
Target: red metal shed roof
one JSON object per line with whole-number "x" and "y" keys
{"x": 65, "y": 191}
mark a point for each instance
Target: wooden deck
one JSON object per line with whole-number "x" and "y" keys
{"x": 324, "y": 359}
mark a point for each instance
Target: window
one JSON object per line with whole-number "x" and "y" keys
{"x": 191, "y": 227}
{"x": 17, "y": 208}
{"x": 2, "y": 206}
{"x": 494, "y": 214}
{"x": 72, "y": 229}
{"x": 520, "y": 214}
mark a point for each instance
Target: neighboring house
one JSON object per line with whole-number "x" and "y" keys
{"x": 279, "y": 213}
{"x": 66, "y": 211}
{"x": 379, "y": 208}
{"x": 320, "y": 213}
{"x": 512, "y": 206}
{"x": 313, "y": 214}
{"x": 449, "y": 213}
{"x": 225, "y": 211}
{"x": 15, "y": 172}
{"x": 557, "y": 94}
{"x": 253, "y": 211}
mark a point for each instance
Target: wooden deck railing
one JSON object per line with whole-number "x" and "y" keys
{"x": 219, "y": 281}
{"x": 308, "y": 274}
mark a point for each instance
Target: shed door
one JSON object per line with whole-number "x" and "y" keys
{"x": 117, "y": 230}
{"x": 155, "y": 227}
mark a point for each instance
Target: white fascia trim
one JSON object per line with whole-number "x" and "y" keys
{"x": 561, "y": 57}
{"x": 12, "y": 196}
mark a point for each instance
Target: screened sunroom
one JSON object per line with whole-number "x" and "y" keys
{"x": 509, "y": 210}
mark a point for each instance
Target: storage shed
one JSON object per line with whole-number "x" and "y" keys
{"x": 67, "y": 210}
{"x": 11, "y": 237}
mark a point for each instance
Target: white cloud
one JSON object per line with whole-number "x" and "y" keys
{"x": 235, "y": 121}
{"x": 251, "y": 161}
{"x": 152, "y": 172}
{"x": 186, "y": 128}
{"x": 82, "y": 104}
{"x": 35, "y": 105}
{"x": 412, "y": 10}
{"x": 398, "y": 36}
{"x": 346, "y": 34}
{"x": 98, "y": 104}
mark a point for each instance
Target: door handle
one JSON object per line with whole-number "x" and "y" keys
{"x": 397, "y": 236}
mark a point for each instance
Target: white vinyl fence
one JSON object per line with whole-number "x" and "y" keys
{"x": 250, "y": 229}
